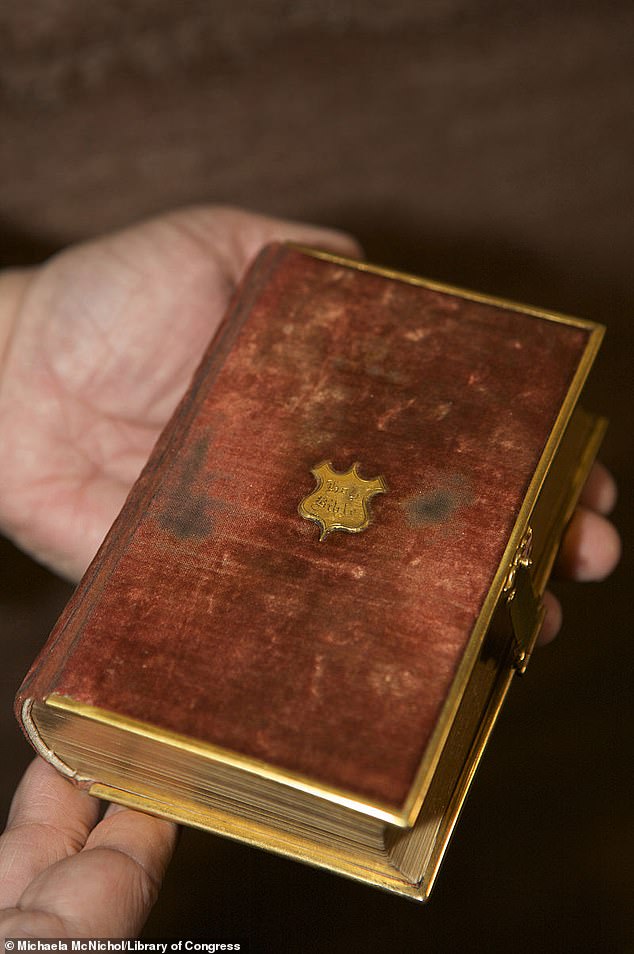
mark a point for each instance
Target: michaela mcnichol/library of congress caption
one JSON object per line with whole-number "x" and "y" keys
{"x": 122, "y": 945}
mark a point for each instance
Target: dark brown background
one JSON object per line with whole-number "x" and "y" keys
{"x": 483, "y": 143}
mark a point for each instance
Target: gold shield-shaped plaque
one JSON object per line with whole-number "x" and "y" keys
{"x": 340, "y": 500}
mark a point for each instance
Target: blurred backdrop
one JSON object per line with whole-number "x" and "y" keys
{"x": 474, "y": 141}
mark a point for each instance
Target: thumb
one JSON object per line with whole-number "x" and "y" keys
{"x": 235, "y": 236}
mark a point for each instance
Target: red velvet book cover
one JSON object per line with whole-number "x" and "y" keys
{"x": 214, "y": 610}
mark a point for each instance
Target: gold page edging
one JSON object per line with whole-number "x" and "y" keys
{"x": 260, "y": 836}
{"x": 225, "y": 757}
{"x": 464, "y": 783}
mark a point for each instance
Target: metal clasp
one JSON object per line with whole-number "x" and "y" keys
{"x": 526, "y": 610}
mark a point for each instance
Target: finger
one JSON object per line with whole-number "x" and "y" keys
{"x": 236, "y": 236}
{"x": 149, "y": 841}
{"x": 591, "y": 547}
{"x": 109, "y": 888}
{"x": 50, "y": 819}
{"x": 13, "y": 285}
{"x": 552, "y": 619}
{"x": 600, "y": 491}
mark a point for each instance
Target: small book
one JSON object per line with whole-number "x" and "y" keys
{"x": 301, "y": 627}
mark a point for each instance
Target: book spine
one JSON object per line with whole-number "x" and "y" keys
{"x": 57, "y": 652}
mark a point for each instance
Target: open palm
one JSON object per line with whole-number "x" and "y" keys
{"x": 105, "y": 339}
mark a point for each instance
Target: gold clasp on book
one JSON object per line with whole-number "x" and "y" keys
{"x": 525, "y": 608}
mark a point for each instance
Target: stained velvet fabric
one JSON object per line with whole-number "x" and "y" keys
{"x": 213, "y": 610}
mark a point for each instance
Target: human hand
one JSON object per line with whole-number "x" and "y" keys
{"x": 591, "y": 546}
{"x": 64, "y": 873}
{"x": 101, "y": 344}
